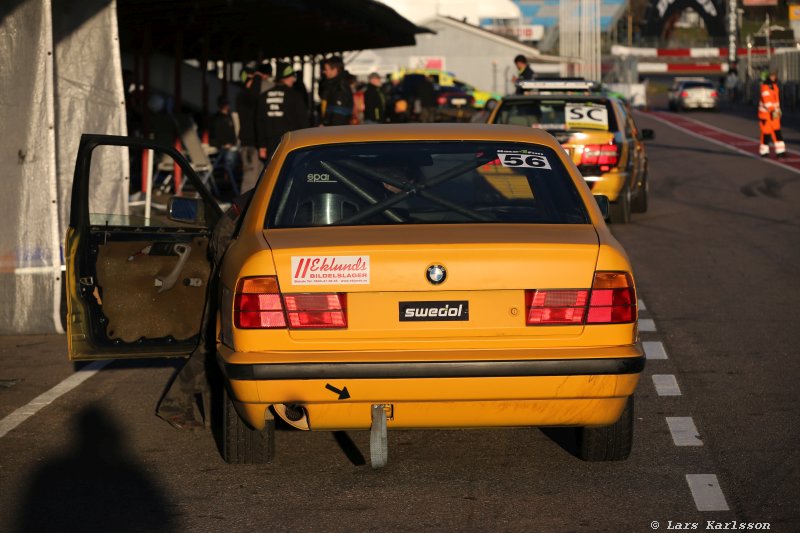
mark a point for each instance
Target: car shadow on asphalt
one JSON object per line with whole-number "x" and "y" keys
{"x": 96, "y": 484}
{"x": 120, "y": 364}
{"x": 565, "y": 437}
{"x": 349, "y": 448}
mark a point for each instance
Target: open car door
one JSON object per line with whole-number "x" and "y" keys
{"x": 137, "y": 263}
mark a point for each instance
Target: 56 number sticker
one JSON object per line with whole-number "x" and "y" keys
{"x": 523, "y": 159}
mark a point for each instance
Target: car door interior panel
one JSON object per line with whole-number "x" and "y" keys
{"x": 151, "y": 287}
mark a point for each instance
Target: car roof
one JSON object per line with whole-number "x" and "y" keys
{"x": 415, "y": 132}
{"x": 594, "y": 97}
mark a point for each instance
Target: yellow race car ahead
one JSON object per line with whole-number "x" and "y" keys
{"x": 382, "y": 277}
{"x": 597, "y": 131}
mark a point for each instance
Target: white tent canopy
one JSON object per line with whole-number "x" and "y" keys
{"x": 467, "y": 10}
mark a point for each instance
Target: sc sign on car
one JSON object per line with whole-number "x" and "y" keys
{"x": 579, "y": 117}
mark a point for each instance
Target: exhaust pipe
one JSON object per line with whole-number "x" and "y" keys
{"x": 293, "y": 414}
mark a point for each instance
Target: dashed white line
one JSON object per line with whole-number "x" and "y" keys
{"x": 706, "y": 492}
{"x": 647, "y": 324}
{"x": 705, "y": 488}
{"x": 31, "y": 408}
{"x": 642, "y": 307}
{"x": 654, "y": 350}
{"x": 683, "y": 430}
{"x": 666, "y": 385}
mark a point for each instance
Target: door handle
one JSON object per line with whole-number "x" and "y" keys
{"x": 166, "y": 283}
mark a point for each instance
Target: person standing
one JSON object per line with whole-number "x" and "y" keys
{"x": 374, "y": 101}
{"x": 769, "y": 117}
{"x": 223, "y": 138}
{"x": 264, "y": 71}
{"x": 246, "y": 102}
{"x": 279, "y": 110}
{"x": 337, "y": 99}
{"x": 524, "y": 72}
{"x": 426, "y": 93}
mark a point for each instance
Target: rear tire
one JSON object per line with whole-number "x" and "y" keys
{"x": 639, "y": 202}
{"x": 608, "y": 443}
{"x": 240, "y": 443}
{"x": 620, "y": 211}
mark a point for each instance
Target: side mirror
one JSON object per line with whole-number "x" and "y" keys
{"x": 603, "y": 204}
{"x": 186, "y": 210}
{"x": 648, "y": 135}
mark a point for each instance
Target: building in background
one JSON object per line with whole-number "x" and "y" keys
{"x": 477, "y": 56}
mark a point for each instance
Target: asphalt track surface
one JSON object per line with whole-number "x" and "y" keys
{"x": 716, "y": 259}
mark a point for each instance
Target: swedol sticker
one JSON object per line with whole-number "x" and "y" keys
{"x": 523, "y": 159}
{"x": 593, "y": 117}
{"x": 325, "y": 269}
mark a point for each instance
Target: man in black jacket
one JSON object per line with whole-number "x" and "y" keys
{"x": 279, "y": 110}
{"x": 337, "y": 100}
{"x": 374, "y": 101}
{"x": 246, "y": 102}
{"x": 524, "y": 72}
{"x": 223, "y": 138}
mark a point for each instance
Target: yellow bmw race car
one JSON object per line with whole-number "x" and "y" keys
{"x": 381, "y": 278}
{"x": 599, "y": 133}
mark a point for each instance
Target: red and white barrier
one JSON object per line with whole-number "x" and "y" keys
{"x": 626, "y": 51}
{"x": 681, "y": 68}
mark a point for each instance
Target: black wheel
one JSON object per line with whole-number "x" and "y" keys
{"x": 620, "y": 211}
{"x": 608, "y": 443}
{"x": 639, "y": 202}
{"x": 242, "y": 444}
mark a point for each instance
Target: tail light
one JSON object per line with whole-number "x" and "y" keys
{"x": 442, "y": 100}
{"x": 684, "y": 94}
{"x": 316, "y": 310}
{"x": 555, "y": 307}
{"x": 600, "y": 154}
{"x": 713, "y": 94}
{"x": 611, "y": 300}
{"x": 259, "y": 304}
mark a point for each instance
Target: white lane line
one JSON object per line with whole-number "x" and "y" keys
{"x": 706, "y": 492}
{"x": 642, "y": 307}
{"x": 666, "y": 385}
{"x": 721, "y": 143}
{"x": 647, "y": 324}
{"x": 26, "y": 411}
{"x": 684, "y": 432}
{"x": 654, "y": 350}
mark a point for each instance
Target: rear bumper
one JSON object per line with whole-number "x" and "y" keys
{"x": 609, "y": 184}
{"x": 428, "y": 369}
{"x": 699, "y": 103}
{"x": 445, "y": 393}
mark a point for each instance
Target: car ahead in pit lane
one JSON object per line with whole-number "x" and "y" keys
{"x": 400, "y": 276}
{"x": 693, "y": 93}
{"x": 596, "y": 130}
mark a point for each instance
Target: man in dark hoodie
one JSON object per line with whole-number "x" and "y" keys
{"x": 374, "y": 101}
{"x": 337, "y": 99}
{"x": 246, "y": 102}
{"x": 279, "y": 110}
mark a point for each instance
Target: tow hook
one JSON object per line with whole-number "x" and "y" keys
{"x": 378, "y": 441}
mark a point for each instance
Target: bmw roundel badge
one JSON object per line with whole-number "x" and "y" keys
{"x": 436, "y": 274}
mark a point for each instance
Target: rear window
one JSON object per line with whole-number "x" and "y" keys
{"x": 424, "y": 183}
{"x": 697, "y": 85}
{"x": 558, "y": 114}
